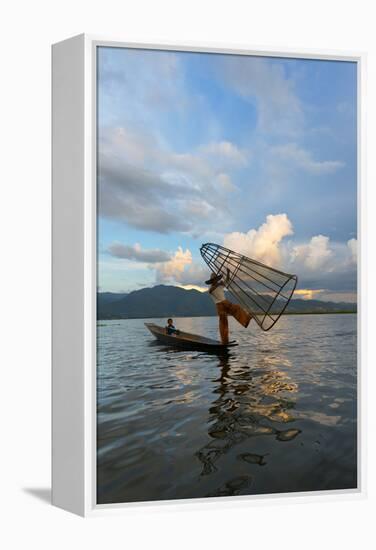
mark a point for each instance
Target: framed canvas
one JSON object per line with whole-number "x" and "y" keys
{"x": 207, "y": 280}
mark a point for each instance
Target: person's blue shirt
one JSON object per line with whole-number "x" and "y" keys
{"x": 170, "y": 329}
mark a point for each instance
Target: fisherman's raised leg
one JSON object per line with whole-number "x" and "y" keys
{"x": 242, "y": 316}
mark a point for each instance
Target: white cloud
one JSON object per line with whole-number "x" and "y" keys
{"x": 181, "y": 270}
{"x": 262, "y": 244}
{"x": 315, "y": 254}
{"x": 172, "y": 270}
{"x": 322, "y": 266}
{"x": 325, "y": 269}
{"x": 302, "y": 158}
{"x": 194, "y": 274}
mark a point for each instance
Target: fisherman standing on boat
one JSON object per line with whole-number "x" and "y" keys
{"x": 225, "y": 307}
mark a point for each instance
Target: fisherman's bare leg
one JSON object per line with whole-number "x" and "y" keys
{"x": 223, "y": 328}
{"x": 223, "y": 323}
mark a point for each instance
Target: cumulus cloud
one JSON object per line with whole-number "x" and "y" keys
{"x": 325, "y": 265}
{"x": 177, "y": 268}
{"x": 315, "y": 254}
{"x": 302, "y": 158}
{"x": 136, "y": 253}
{"x": 322, "y": 266}
{"x": 262, "y": 244}
{"x": 172, "y": 270}
{"x": 332, "y": 261}
{"x": 181, "y": 270}
{"x": 194, "y": 275}
{"x": 325, "y": 269}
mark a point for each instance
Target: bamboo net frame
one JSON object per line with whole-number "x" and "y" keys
{"x": 261, "y": 290}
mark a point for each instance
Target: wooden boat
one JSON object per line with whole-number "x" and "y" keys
{"x": 185, "y": 340}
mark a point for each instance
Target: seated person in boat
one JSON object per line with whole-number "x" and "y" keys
{"x": 225, "y": 307}
{"x": 170, "y": 329}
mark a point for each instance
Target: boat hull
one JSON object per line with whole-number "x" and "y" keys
{"x": 185, "y": 340}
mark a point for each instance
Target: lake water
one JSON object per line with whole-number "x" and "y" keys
{"x": 277, "y": 414}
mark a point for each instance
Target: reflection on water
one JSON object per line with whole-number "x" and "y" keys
{"x": 248, "y": 403}
{"x": 275, "y": 414}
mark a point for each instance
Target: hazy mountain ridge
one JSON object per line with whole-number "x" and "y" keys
{"x": 105, "y": 298}
{"x": 172, "y": 301}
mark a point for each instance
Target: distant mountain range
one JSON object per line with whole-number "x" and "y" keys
{"x": 172, "y": 301}
{"x": 105, "y": 298}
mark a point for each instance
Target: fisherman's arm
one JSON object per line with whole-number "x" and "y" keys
{"x": 228, "y": 276}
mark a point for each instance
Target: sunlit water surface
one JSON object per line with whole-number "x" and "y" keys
{"x": 277, "y": 414}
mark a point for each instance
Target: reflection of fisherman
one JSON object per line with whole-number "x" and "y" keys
{"x": 225, "y": 307}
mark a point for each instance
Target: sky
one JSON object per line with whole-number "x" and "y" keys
{"x": 258, "y": 154}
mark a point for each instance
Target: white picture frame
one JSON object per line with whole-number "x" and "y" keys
{"x": 74, "y": 273}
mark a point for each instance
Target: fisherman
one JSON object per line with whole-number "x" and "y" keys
{"x": 225, "y": 307}
{"x": 170, "y": 329}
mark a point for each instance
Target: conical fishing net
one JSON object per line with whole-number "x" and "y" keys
{"x": 261, "y": 290}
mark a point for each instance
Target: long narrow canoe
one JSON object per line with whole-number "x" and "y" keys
{"x": 186, "y": 340}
